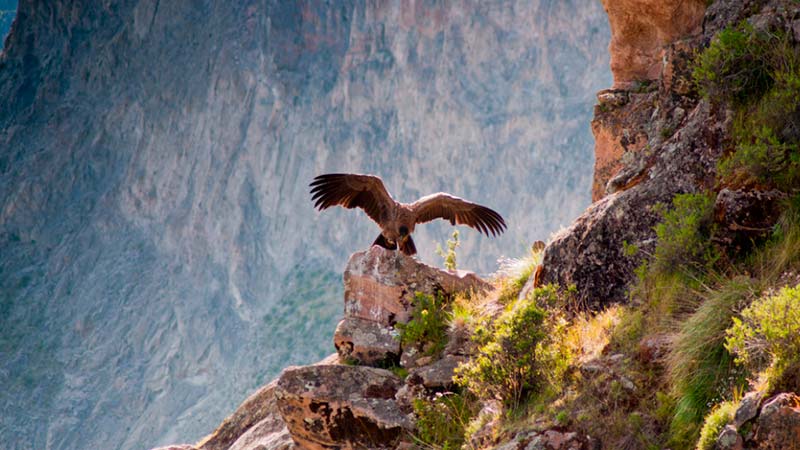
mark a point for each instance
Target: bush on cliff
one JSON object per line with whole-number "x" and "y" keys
{"x": 427, "y": 329}
{"x": 767, "y": 335}
{"x": 758, "y": 73}
{"x": 520, "y": 354}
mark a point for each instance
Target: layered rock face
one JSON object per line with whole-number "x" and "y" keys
{"x": 643, "y": 34}
{"x": 160, "y": 255}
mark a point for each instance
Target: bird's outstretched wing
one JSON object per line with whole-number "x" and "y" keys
{"x": 458, "y": 211}
{"x": 351, "y": 191}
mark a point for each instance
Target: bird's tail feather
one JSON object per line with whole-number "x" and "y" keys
{"x": 407, "y": 247}
{"x": 381, "y": 241}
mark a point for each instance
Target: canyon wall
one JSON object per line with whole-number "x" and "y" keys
{"x": 160, "y": 254}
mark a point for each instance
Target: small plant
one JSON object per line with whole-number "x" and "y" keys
{"x": 450, "y": 255}
{"x": 442, "y": 420}
{"x": 716, "y": 420}
{"x": 768, "y": 331}
{"x": 521, "y": 353}
{"x": 514, "y": 273}
{"x": 629, "y": 250}
{"x": 684, "y": 234}
{"x": 427, "y": 329}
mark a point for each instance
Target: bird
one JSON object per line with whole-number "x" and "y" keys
{"x": 398, "y": 220}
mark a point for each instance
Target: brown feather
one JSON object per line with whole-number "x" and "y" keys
{"x": 458, "y": 211}
{"x": 352, "y": 191}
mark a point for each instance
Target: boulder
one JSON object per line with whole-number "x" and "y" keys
{"x": 748, "y": 408}
{"x": 729, "y": 439}
{"x": 258, "y": 419}
{"x": 327, "y": 407}
{"x": 366, "y": 342}
{"x": 380, "y": 285}
{"x": 438, "y": 375}
{"x": 779, "y": 423}
{"x": 256, "y": 423}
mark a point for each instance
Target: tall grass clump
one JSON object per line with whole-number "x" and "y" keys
{"x": 700, "y": 369}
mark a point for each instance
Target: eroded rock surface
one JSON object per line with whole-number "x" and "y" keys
{"x": 327, "y": 407}
{"x": 379, "y": 290}
{"x": 366, "y": 342}
{"x": 640, "y": 29}
{"x": 655, "y": 139}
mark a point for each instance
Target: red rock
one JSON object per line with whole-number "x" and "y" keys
{"x": 640, "y": 29}
{"x": 380, "y": 284}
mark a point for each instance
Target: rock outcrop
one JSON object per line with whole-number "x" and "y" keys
{"x": 379, "y": 290}
{"x": 759, "y": 424}
{"x": 641, "y": 30}
{"x": 334, "y": 407}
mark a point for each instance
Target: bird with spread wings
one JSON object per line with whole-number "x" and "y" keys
{"x": 398, "y": 220}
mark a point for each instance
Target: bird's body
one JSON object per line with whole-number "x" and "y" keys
{"x": 398, "y": 220}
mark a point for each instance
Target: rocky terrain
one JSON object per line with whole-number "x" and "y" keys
{"x": 161, "y": 259}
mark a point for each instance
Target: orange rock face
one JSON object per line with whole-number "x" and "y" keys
{"x": 650, "y": 48}
{"x": 640, "y": 29}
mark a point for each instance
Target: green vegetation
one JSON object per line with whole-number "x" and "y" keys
{"x": 768, "y": 333}
{"x": 720, "y": 416}
{"x": 757, "y": 72}
{"x": 427, "y": 329}
{"x": 442, "y": 421}
{"x": 450, "y": 255}
{"x": 736, "y": 66}
{"x": 683, "y": 234}
{"x": 700, "y": 369}
{"x": 521, "y": 354}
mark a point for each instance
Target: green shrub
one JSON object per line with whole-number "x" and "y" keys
{"x": 758, "y": 72}
{"x": 427, "y": 329}
{"x": 735, "y": 66}
{"x": 762, "y": 161}
{"x": 442, "y": 420}
{"x": 716, "y": 420}
{"x": 520, "y": 354}
{"x": 767, "y": 136}
{"x": 768, "y": 331}
{"x": 684, "y": 234}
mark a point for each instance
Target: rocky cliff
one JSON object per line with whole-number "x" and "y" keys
{"x": 160, "y": 255}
